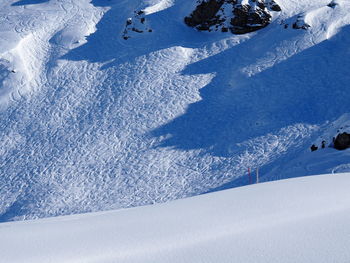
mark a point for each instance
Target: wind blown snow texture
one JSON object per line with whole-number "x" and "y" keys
{"x": 90, "y": 121}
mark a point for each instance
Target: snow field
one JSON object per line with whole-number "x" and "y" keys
{"x": 303, "y": 220}
{"x": 91, "y": 122}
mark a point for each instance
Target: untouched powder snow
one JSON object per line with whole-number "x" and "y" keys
{"x": 304, "y": 220}
{"x": 90, "y": 121}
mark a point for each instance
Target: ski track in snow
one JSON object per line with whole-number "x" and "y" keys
{"x": 92, "y": 122}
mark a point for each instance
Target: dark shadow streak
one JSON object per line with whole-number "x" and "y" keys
{"x": 29, "y": 2}
{"x": 106, "y": 43}
{"x": 235, "y": 108}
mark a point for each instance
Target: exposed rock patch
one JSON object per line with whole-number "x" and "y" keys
{"x": 342, "y": 141}
{"x": 136, "y": 24}
{"x": 205, "y": 15}
{"x": 273, "y": 6}
{"x": 236, "y": 16}
{"x": 297, "y": 22}
{"x": 300, "y": 23}
{"x": 332, "y": 4}
{"x": 313, "y": 148}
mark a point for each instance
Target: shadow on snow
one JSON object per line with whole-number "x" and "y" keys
{"x": 29, "y": 2}
{"x": 106, "y": 44}
{"x": 234, "y": 106}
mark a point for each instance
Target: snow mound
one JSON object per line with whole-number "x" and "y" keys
{"x": 158, "y": 5}
{"x": 90, "y": 121}
{"x": 303, "y": 220}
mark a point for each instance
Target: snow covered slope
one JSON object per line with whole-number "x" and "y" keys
{"x": 90, "y": 121}
{"x": 304, "y": 220}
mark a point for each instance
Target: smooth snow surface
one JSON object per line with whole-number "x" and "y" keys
{"x": 90, "y": 121}
{"x": 304, "y": 220}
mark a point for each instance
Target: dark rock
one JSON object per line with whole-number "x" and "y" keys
{"x": 313, "y": 148}
{"x": 246, "y": 21}
{"x": 203, "y": 28}
{"x": 273, "y": 6}
{"x": 209, "y": 15}
{"x": 323, "y": 144}
{"x": 332, "y": 4}
{"x": 204, "y": 14}
{"x": 342, "y": 141}
{"x": 260, "y": 4}
{"x": 297, "y": 26}
{"x": 300, "y": 24}
{"x": 137, "y": 24}
{"x": 136, "y": 30}
{"x": 241, "y": 14}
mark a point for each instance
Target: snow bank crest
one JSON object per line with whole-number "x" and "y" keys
{"x": 157, "y": 6}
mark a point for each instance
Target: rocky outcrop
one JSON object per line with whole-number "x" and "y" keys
{"x": 205, "y": 15}
{"x": 342, "y": 141}
{"x": 300, "y": 23}
{"x": 232, "y": 15}
{"x": 136, "y": 24}
{"x": 247, "y": 20}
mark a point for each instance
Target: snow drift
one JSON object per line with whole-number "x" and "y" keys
{"x": 91, "y": 121}
{"x": 299, "y": 220}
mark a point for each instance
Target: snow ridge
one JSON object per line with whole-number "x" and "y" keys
{"x": 288, "y": 220}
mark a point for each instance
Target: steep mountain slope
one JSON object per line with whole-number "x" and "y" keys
{"x": 304, "y": 220}
{"x": 91, "y": 121}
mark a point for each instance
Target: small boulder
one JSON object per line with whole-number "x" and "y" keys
{"x": 342, "y": 141}
{"x": 300, "y": 23}
{"x": 313, "y": 148}
{"x": 273, "y": 6}
{"x": 332, "y": 4}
